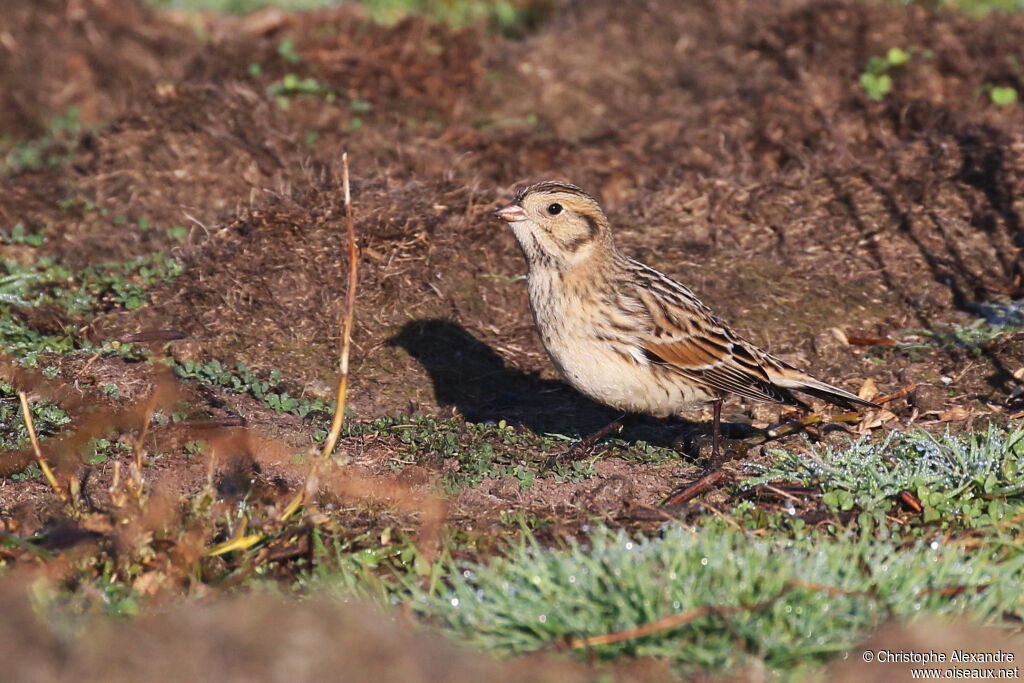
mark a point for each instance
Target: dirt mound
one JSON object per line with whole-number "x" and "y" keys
{"x": 403, "y": 72}
{"x": 189, "y": 156}
{"x": 95, "y": 55}
{"x": 266, "y": 287}
{"x": 229, "y": 640}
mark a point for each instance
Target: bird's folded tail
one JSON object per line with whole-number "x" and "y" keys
{"x": 806, "y": 384}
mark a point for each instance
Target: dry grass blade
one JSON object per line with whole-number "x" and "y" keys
{"x": 669, "y": 622}
{"x": 30, "y": 426}
{"x": 706, "y": 610}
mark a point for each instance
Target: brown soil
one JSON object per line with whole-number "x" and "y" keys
{"x": 733, "y": 149}
{"x": 729, "y": 141}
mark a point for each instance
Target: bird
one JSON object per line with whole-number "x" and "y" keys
{"x": 628, "y": 336}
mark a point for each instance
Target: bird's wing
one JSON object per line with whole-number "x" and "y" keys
{"x": 685, "y": 336}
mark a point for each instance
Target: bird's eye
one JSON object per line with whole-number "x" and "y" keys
{"x": 554, "y": 209}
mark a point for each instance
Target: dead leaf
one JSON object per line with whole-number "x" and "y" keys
{"x": 873, "y": 420}
{"x": 954, "y": 414}
{"x": 868, "y": 390}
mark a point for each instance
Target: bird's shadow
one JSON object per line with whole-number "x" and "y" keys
{"x": 468, "y": 375}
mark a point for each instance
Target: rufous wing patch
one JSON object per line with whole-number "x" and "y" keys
{"x": 687, "y": 353}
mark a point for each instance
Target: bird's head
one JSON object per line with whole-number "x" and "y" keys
{"x": 557, "y": 224}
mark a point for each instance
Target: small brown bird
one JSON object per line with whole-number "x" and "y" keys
{"x": 628, "y": 336}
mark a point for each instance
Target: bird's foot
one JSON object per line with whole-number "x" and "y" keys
{"x": 702, "y": 448}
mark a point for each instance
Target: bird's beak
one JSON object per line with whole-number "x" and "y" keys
{"x": 512, "y": 213}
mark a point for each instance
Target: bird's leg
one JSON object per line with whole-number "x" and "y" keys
{"x": 585, "y": 444}
{"x": 716, "y": 432}
{"x": 712, "y": 472}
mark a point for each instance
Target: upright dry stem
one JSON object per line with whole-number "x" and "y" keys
{"x": 312, "y": 481}
{"x": 30, "y": 426}
{"x": 346, "y": 318}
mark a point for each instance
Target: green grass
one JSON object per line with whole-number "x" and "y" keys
{"x": 998, "y": 321}
{"x": 243, "y": 6}
{"x": 978, "y": 8}
{"x": 242, "y": 380}
{"x": 972, "y": 337}
{"x": 503, "y": 14}
{"x": 51, "y": 149}
{"x": 78, "y": 295}
{"x": 486, "y": 449}
{"x": 968, "y": 479}
{"x": 805, "y": 595}
{"x": 20, "y": 235}
{"x": 48, "y": 419}
{"x": 535, "y": 598}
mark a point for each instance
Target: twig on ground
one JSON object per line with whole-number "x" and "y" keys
{"x": 695, "y": 489}
{"x": 899, "y": 393}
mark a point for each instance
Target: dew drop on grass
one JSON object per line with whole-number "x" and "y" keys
{"x": 704, "y": 561}
{"x": 543, "y": 619}
{"x": 455, "y": 602}
{"x": 935, "y": 545}
{"x": 629, "y": 545}
{"x": 572, "y": 579}
{"x": 677, "y": 605}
